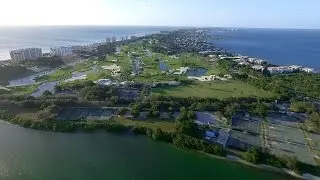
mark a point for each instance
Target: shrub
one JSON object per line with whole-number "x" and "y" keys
{"x": 252, "y": 155}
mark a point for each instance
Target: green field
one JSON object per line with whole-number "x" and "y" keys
{"x": 163, "y": 125}
{"x": 61, "y": 74}
{"x": 218, "y": 89}
{"x": 23, "y": 90}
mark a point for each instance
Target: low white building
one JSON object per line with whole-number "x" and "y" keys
{"x": 61, "y": 51}
{"x": 284, "y": 69}
{"x": 257, "y": 67}
{"x": 211, "y": 78}
{"x": 26, "y": 54}
{"x": 308, "y": 70}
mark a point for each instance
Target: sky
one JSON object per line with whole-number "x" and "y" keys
{"x": 215, "y": 13}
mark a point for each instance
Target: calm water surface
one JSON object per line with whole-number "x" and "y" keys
{"x": 33, "y": 155}
{"x": 279, "y": 46}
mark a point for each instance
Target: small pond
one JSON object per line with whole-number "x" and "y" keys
{"x": 196, "y": 71}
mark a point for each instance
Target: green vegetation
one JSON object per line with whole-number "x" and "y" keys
{"x": 59, "y": 75}
{"x": 259, "y": 109}
{"x": 302, "y": 107}
{"x": 50, "y": 62}
{"x": 188, "y": 142}
{"x": 219, "y": 89}
{"x": 252, "y": 155}
{"x": 287, "y": 85}
{"x": 163, "y": 125}
{"x": 313, "y": 122}
{"x": 23, "y": 90}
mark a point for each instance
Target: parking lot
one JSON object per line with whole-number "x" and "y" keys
{"x": 207, "y": 118}
{"x": 253, "y": 127}
{"x": 283, "y": 119}
{"x": 243, "y": 140}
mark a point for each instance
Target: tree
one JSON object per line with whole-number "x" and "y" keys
{"x": 114, "y": 99}
{"x": 302, "y": 107}
{"x": 157, "y": 134}
{"x": 107, "y": 49}
{"x": 47, "y": 93}
{"x": 135, "y": 110}
{"x": 265, "y": 72}
{"x": 135, "y": 113}
{"x": 290, "y": 162}
{"x": 122, "y": 111}
{"x": 229, "y": 111}
{"x": 252, "y": 155}
{"x": 313, "y": 122}
{"x": 261, "y": 110}
{"x": 187, "y": 127}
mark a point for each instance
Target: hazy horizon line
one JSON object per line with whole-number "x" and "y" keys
{"x": 155, "y": 26}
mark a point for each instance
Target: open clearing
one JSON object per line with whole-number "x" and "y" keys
{"x": 77, "y": 113}
{"x": 163, "y": 125}
{"x": 218, "y": 89}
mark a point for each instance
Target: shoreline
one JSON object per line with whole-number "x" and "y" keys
{"x": 263, "y": 167}
{"x": 228, "y": 157}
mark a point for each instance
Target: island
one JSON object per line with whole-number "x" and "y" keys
{"x": 176, "y": 87}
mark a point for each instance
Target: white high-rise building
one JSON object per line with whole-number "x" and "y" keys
{"x": 61, "y": 51}
{"x": 26, "y": 54}
{"x": 114, "y": 39}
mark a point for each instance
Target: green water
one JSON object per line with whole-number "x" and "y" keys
{"x": 31, "y": 155}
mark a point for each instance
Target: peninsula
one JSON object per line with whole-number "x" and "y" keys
{"x": 175, "y": 87}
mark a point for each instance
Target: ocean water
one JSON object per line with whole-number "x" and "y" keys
{"x": 53, "y": 36}
{"x": 301, "y": 47}
{"x": 278, "y": 46}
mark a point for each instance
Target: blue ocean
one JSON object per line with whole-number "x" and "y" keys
{"x": 278, "y": 46}
{"x": 51, "y": 36}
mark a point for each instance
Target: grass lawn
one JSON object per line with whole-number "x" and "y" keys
{"x": 60, "y": 74}
{"x": 163, "y": 125}
{"x": 84, "y": 66}
{"x": 28, "y": 114}
{"x": 218, "y": 89}
{"x": 23, "y": 90}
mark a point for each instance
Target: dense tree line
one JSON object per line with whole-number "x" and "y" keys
{"x": 189, "y": 142}
{"x": 46, "y": 61}
{"x": 254, "y": 156}
{"x": 286, "y": 85}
